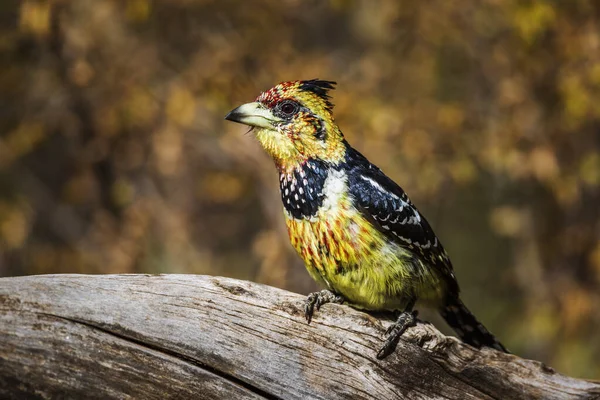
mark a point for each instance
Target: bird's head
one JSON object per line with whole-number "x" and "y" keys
{"x": 294, "y": 123}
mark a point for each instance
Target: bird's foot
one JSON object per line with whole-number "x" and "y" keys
{"x": 317, "y": 299}
{"x": 405, "y": 320}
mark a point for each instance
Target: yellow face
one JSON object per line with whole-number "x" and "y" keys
{"x": 294, "y": 123}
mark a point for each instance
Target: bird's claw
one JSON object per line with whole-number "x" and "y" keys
{"x": 317, "y": 299}
{"x": 405, "y": 320}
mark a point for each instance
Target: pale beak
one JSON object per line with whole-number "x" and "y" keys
{"x": 253, "y": 114}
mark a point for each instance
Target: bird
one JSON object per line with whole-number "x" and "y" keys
{"x": 358, "y": 233}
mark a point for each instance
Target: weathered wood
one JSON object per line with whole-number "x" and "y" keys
{"x": 182, "y": 336}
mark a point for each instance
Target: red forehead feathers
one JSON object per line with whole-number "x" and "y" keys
{"x": 290, "y": 89}
{"x": 274, "y": 95}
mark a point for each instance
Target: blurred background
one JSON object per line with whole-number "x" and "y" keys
{"x": 115, "y": 157}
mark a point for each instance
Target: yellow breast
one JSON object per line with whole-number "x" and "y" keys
{"x": 345, "y": 252}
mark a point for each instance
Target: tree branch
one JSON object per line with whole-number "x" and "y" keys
{"x": 184, "y": 336}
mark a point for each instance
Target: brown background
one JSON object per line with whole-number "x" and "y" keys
{"x": 115, "y": 158}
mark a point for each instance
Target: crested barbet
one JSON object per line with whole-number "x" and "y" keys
{"x": 356, "y": 230}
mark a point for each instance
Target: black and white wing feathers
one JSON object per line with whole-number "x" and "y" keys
{"x": 389, "y": 209}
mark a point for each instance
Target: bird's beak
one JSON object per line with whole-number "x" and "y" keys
{"x": 252, "y": 114}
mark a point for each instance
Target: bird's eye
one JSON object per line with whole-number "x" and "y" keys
{"x": 288, "y": 108}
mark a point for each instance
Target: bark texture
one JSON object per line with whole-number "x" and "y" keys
{"x": 183, "y": 336}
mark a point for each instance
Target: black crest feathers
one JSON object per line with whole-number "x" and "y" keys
{"x": 320, "y": 88}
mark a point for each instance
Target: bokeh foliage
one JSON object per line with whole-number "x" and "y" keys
{"x": 115, "y": 158}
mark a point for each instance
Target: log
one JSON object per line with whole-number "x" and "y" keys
{"x": 184, "y": 336}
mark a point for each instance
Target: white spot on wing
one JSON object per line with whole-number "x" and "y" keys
{"x": 385, "y": 219}
{"x": 414, "y": 220}
{"x": 377, "y": 186}
{"x": 417, "y": 218}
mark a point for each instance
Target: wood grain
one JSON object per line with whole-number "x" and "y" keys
{"x": 184, "y": 336}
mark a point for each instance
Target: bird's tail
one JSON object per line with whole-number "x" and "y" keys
{"x": 467, "y": 327}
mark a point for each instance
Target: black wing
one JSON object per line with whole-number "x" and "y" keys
{"x": 389, "y": 209}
